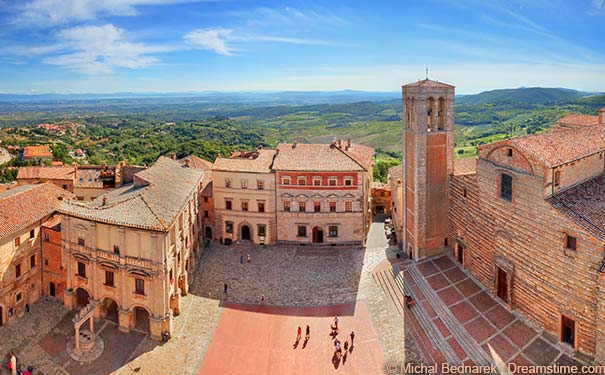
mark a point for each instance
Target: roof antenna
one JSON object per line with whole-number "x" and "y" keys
{"x": 427, "y": 73}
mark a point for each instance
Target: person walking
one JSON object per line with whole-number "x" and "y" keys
{"x": 346, "y": 346}
{"x": 262, "y": 298}
{"x": 336, "y": 323}
{"x": 241, "y": 259}
{"x": 308, "y": 332}
{"x": 225, "y": 287}
{"x": 352, "y": 338}
{"x": 248, "y": 258}
{"x": 298, "y": 333}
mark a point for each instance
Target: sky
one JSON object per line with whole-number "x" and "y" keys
{"x": 103, "y": 46}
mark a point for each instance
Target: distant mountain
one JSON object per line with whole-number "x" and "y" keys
{"x": 533, "y": 95}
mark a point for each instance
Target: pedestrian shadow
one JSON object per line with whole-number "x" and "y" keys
{"x": 305, "y": 342}
{"x": 351, "y": 349}
{"x": 296, "y": 344}
{"x": 344, "y": 358}
{"x": 336, "y": 360}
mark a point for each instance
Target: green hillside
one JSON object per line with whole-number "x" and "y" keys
{"x": 533, "y": 95}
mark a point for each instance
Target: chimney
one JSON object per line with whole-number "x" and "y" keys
{"x": 187, "y": 162}
{"x": 348, "y": 146}
{"x": 602, "y": 116}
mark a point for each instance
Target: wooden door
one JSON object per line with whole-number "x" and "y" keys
{"x": 502, "y": 285}
{"x": 568, "y": 330}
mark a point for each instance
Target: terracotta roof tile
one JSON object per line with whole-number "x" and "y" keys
{"x": 24, "y": 205}
{"x": 578, "y": 120}
{"x": 323, "y": 157}
{"x": 152, "y": 202}
{"x": 197, "y": 163}
{"x": 396, "y": 173}
{"x": 427, "y": 83}
{"x": 465, "y": 166}
{"x": 42, "y": 151}
{"x": 259, "y": 161}
{"x": 585, "y": 205}
{"x": 45, "y": 173}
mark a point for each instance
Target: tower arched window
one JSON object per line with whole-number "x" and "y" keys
{"x": 430, "y": 108}
{"x": 441, "y": 114}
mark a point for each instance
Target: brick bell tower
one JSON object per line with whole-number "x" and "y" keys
{"x": 428, "y": 161}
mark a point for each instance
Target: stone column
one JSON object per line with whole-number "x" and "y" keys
{"x": 125, "y": 320}
{"x": 156, "y": 328}
{"x": 69, "y": 298}
{"x": 97, "y": 308}
{"x": 184, "y": 283}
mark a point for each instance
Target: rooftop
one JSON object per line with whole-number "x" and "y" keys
{"x": 152, "y": 202}
{"x": 41, "y": 151}
{"x": 576, "y": 120}
{"x": 22, "y": 206}
{"x": 323, "y": 157}
{"x": 259, "y": 161}
{"x": 196, "y": 162}
{"x": 45, "y": 173}
{"x": 428, "y": 83}
{"x": 465, "y": 166}
{"x": 396, "y": 173}
{"x": 585, "y": 205}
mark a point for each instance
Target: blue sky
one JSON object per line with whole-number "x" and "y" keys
{"x": 188, "y": 45}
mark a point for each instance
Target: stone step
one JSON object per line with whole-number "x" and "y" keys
{"x": 388, "y": 281}
{"x": 473, "y": 350}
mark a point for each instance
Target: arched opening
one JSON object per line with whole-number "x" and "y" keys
{"x": 245, "y": 235}
{"x": 109, "y": 310}
{"x": 318, "y": 235}
{"x": 52, "y": 290}
{"x": 441, "y": 114}
{"x": 208, "y": 233}
{"x": 141, "y": 319}
{"x": 430, "y": 107}
{"x": 82, "y": 298}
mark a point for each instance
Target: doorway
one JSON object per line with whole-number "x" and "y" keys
{"x": 568, "y": 330}
{"x": 208, "y": 234}
{"x": 502, "y": 284}
{"x": 141, "y": 316}
{"x": 318, "y": 235}
{"x": 460, "y": 252}
{"x": 52, "y": 289}
{"x": 82, "y": 298}
{"x": 246, "y": 232}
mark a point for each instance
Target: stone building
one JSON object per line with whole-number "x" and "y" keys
{"x": 52, "y": 255}
{"x": 63, "y": 177}
{"x": 129, "y": 252}
{"x": 243, "y": 193}
{"x": 40, "y": 152}
{"x": 323, "y": 192}
{"x": 381, "y": 198}
{"x": 92, "y": 181}
{"x": 23, "y": 212}
{"x": 525, "y": 216}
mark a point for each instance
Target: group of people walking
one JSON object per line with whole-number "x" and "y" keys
{"x": 338, "y": 353}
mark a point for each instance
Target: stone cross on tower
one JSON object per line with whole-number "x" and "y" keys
{"x": 427, "y": 73}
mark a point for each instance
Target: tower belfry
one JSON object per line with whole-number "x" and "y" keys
{"x": 428, "y": 161}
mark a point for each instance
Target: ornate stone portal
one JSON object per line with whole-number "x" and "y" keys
{"x": 85, "y": 346}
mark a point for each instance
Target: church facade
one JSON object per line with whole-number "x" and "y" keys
{"x": 525, "y": 217}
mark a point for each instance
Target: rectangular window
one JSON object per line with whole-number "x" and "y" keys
{"x": 302, "y": 181}
{"x": 17, "y": 271}
{"x": 116, "y": 249}
{"x": 17, "y": 241}
{"x": 332, "y": 206}
{"x": 244, "y": 206}
{"x": 506, "y": 188}
{"x": 302, "y": 231}
{"x": 557, "y": 178}
{"x": 285, "y": 181}
{"x": 139, "y": 286}
{"x": 317, "y": 206}
{"x": 261, "y": 206}
{"x": 229, "y": 226}
{"x": 81, "y": 241}
{"x": 348, "y": 206}
{"x": 348, "y": 182}
{"x": 262, "y": 230}
{"x": 260, "y": 184}
{"x": 571, "y": 242}
{"x": 81, "y": 269}
{"x": 287, "y": 206}
{"x": 205, "y": 199}
{"x": 206, "y": 214}
{"x": 302, "y": 206}
{"x": 46, "y": 237}
{"x": 109, "y": 278}
{"x": 332, "y": 182}
{"x": 32, "y": 261}
{"x": 227, "y": 182}
{"x": 316, "y": 181}
{"x": 244, "y": 183}
{"x": 19, "y": 296}
{"x": 32, "y": 234}
{"x": 228, "y": 204}
{"x": 333, "y": 231}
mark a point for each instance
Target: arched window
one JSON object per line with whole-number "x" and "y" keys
{"x": 506, "y": 187}
{"x": 430, "y": 107}
{"x": 441, "y": 113}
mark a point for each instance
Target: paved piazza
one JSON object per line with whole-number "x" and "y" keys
{"x": 289, "y": 277}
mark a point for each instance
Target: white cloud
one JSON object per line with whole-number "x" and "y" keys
{"x": 63, "y": 11}
{"x": 219, "y": 40}
{"x": 211, "y": 39}
{"x": 99, "y": 49}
